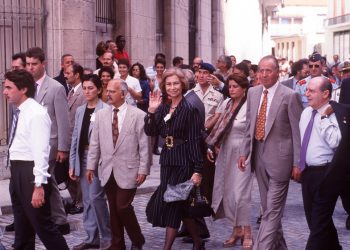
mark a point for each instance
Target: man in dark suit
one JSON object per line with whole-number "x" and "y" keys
{"x": 321, "y": 136}
{"x": 66, "y": 60}
{"x": 300, "y": 70}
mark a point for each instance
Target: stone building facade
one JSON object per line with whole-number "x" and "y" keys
{"x": 173, "y": 27}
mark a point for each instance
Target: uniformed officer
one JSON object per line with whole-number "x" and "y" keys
{"x": 315, "y": 67}
{"x": 344, "y": 69}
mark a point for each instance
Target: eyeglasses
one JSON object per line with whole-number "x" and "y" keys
{"x": 314, "y": 66}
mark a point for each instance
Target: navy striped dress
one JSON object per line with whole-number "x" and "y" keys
{"x": 177, "y": 163}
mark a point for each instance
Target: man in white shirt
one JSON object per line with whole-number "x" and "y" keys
{"x": 320, "y": 136}
{"x": 28, "y": 155}
{"x": 134, "y": 88}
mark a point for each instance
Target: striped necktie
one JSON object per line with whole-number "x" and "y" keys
{"x": 15, "y": 116}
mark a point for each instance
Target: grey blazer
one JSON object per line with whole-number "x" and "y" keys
{"x": 130, "y": 156}
{"x": 74, "y": 159}
{"x": 281, "y": 144}
{"x": 52, "y": 95}
{"x": 77, "y": 100}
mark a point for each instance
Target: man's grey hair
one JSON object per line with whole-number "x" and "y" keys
{"x": 227, "y": 61}
{"x": 123, "y": 86}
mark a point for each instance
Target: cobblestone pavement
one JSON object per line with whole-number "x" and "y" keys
{"x": 294, "y": 225}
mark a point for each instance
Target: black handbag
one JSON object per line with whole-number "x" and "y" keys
{"x": 61, "y": 174}
{"x": 199, "y": 205}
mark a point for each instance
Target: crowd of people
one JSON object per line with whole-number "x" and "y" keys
{"x": 219, "y": 127}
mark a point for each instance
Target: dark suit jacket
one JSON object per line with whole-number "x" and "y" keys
{"x": 60, "y": 78}
{"x": 339, "y": 170}
{"x": 345, "y": 91}
{"x": 196, "y": 102}
{"x": 288, "y": 83}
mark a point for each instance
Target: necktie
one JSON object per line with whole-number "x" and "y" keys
{"x": 115, "y": 130}
{"x": 13, "y": 132}
{"x": 305, "y": 142}
{"x": 260, "y": 124}
{"x": 70, "y": 94}
{"x": 36, "y": 89}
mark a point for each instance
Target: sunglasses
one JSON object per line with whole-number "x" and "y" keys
{"x": 314, "y": 66}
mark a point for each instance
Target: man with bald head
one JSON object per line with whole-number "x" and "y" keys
{"x": 272, "y": 146}
{"x": 320, "y": 137}
{"x": 118, "y": 141}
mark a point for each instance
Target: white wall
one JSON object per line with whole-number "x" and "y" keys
{"x": 243, "y": 32}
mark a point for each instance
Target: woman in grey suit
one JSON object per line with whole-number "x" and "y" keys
{"x": 95, "y": 216}
{"x": 232, "y": 187}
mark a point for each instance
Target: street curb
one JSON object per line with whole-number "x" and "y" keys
{"x": 7, "y": 209}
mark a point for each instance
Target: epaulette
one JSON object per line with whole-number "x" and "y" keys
{"x": 301, "y": 82}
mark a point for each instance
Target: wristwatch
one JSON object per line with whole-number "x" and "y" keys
{"x": 38, "y": 185}
{"x": 324, "y": 116}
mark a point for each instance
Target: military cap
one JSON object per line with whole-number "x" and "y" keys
{"x": 315, "y": 57}
{"x": 207, "y": 66}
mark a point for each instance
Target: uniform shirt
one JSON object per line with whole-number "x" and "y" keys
{"x": 121, "y": 115}
{"x": 133, "y": 83}
{"x": 325, "y": 136}
{"x": 211, "y": 100}
{"x": 32, "y": 137}
{"x": 270, "y": 94}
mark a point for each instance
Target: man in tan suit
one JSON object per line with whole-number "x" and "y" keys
{"x": 119, "y": 140}
{"x": 273, "y": 143}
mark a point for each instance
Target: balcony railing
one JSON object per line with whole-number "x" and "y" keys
{"x": 337, "y": 20}
{"x": 105, "y": 11}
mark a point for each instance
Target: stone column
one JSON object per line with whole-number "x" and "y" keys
{"x": 70, "y": 28}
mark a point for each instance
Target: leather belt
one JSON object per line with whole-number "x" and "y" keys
{"x": 171, "y": 142}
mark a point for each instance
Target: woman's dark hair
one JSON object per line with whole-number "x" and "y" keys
{"x": 95, "y": 80}
{"x": 22, "y": 79}
{"x": 254, "y": 67}
{"x": 161, "y": 61}
{"x": 106, "y": 69}
{"x": 242, "y": 67}
{"x": 143, "y": 75}
{"x": 240, "y": 79}
{"x": 101, "y": 48}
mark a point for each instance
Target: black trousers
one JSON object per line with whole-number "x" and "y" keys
{"x": 30, "y": 220}
{"x": 345, "y": 196}
{"x": 319, "y": 209}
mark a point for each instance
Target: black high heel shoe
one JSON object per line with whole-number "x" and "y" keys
{"x": 201, "y": 247}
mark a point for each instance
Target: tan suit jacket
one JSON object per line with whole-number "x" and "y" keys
{"x": 281, "y": 144}
{"x": 130, "y": 156}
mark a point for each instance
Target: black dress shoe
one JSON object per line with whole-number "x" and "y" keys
{"x": 84, "y": 245}
{"x": 258, "y": 221}
{"x": 347, "y": 224}
{"x": 190, "y": 240}
{"x": 75, "y": 210}
{"x": 64, "y": 228}
{"x": 201, "y": 247}
{"x": 182, "y": 233}
{"x": 134, "y": 247}
{"x": 10, "y": 228}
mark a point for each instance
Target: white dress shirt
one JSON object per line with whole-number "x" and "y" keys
{"x": 121, "y": 115}
{"x": 133, "y": 83}
{"x": 39, "y": 83}
{"x": 32, "y": 137}
{"x": 325, "y": 136}
{"x": 270, "y": 95}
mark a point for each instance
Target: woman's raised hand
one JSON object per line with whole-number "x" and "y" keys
{"x": 154, "y": 101}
